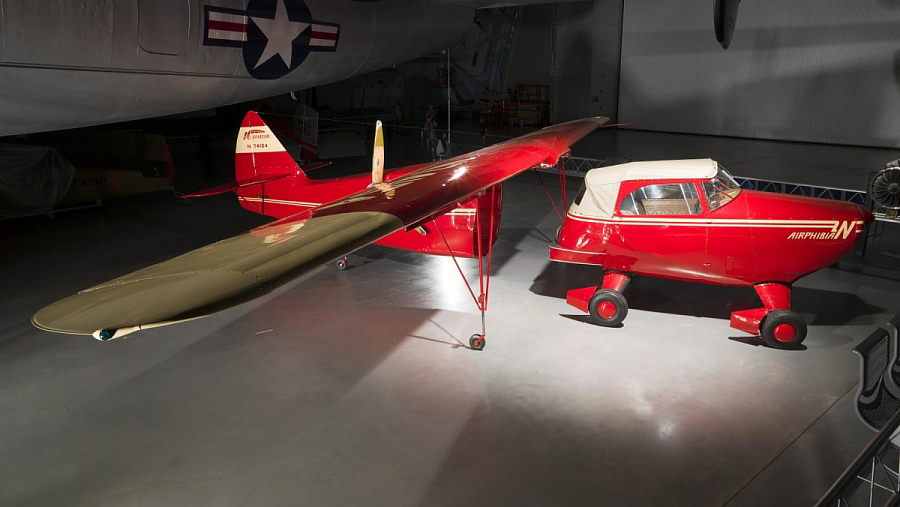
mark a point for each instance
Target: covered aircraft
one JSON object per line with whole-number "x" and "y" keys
{"x": 450, "y": 207}
{"x": 689, "y": 220}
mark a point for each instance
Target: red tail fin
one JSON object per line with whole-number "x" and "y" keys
{"x": 259, "y": 153}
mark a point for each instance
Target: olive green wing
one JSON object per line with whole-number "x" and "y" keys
{"x": 214, "y": 277}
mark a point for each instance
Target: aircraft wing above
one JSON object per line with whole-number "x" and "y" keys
{"x": 246, "y": 266}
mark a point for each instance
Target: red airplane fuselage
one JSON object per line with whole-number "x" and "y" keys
{"x": 702, "y": 230}
{"x": 756, "y": 237}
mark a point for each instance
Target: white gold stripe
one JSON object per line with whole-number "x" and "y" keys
{"x": 720, "y": 222}
{"x": 281, "y": 201}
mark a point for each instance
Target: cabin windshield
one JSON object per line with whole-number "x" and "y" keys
{"x": 721, "y": 190}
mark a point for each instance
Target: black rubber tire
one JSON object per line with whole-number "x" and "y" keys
{"x": 341, "y": 264}
{"x": 611, "y": 296}
{"x": 476, "y": 341}
{"x": 776, "y": 318}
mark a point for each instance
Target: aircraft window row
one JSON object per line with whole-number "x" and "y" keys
{"x": 720, "y": 190}
{"x": 662, "y": 199}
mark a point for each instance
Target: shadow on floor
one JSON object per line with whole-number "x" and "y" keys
{"x": 830, "y": 308}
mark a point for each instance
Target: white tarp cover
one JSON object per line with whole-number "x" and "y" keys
{"x": 603, "y": 182}
{"x": 32, "y": 179}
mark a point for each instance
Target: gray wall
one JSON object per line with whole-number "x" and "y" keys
{"x": 584, "y": 79}
{"x": 587, "y": 60}
{"x": 530, "y": 58}
{"x": 808, "y": 70}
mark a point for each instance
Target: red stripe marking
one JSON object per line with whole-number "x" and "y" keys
{"x": 323, "y": 35}
{"x": 226, "y": 26}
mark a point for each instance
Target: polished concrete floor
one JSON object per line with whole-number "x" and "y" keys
{"x": 356, "y": 388}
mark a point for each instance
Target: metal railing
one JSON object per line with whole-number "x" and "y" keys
{"x": 579, "y": 166}
{"x": 784, "y": 187}
{"x": 874, "y": 476}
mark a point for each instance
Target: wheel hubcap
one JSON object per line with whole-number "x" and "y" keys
{"x": 606, "y": 310}
{"x": 785, "y": 332}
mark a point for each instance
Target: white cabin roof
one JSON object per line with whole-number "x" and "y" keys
{"x": 653, "y": 170}
{"x": 603, "y": 182}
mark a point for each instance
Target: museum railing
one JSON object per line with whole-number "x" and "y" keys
{"x": 874, "y": 476}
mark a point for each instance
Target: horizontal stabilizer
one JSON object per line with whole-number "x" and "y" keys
{"x": 231, "y": 187}
{"x": 312, "y": 166}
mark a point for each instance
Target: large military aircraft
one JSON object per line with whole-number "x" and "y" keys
{"x": 88, "y": 62}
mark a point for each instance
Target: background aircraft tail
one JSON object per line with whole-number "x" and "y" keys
{"x": 260, "y": 156}
{"x": 258, "y": 152}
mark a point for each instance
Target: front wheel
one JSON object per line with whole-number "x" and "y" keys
{"x": 783, "y": 329}
{"x": 476, "y": 341}
{"x": 608, "y": 307}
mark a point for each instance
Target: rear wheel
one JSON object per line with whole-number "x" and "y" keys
{"x": 783, "y": 329}
{"x": 608, "y": 307}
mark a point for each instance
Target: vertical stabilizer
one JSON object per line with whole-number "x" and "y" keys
{"x": 258, "y": 152}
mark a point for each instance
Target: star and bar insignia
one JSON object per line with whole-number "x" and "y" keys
{"x": 275, "y": 36}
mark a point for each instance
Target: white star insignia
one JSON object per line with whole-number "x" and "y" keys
{"x": 280, "y": 33}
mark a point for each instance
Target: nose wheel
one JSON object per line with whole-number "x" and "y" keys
{"x": 783, "y": 329}
{"x": 476, "y": 342}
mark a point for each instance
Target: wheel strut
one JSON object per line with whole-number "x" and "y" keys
{"x": 477, "y": 340}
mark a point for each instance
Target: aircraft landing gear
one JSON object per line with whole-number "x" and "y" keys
{"x": 783, "y": 329}
{"x": 342, "y": 264}
{"x": 476, "y": 341}
{"x": 776, "y": 323}
{"x": 608, "y": 307}
{"x": 605, "y": 304}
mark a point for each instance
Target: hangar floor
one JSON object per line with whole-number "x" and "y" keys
{"x": 355, "y": 387}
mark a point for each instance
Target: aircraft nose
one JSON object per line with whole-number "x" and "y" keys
{"x": 868, "y": 217}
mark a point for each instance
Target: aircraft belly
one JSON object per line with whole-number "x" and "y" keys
{"x": 216, "y": 277}
{"x": 75, "y": 33}
{"x": 117, "y": 66}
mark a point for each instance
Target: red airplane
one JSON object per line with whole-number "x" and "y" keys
{"x": 450, "y": 207}
{"x": 689, "y": 220}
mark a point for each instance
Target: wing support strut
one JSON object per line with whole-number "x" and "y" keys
{"x": 562, "y": 186}
{"x": 477, "y": 341}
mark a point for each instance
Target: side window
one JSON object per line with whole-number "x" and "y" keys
{"x": 580, "y": 195}
{"x": 664, "y": 199}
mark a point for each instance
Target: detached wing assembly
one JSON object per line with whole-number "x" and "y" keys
{"x": 238, "y": 269}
